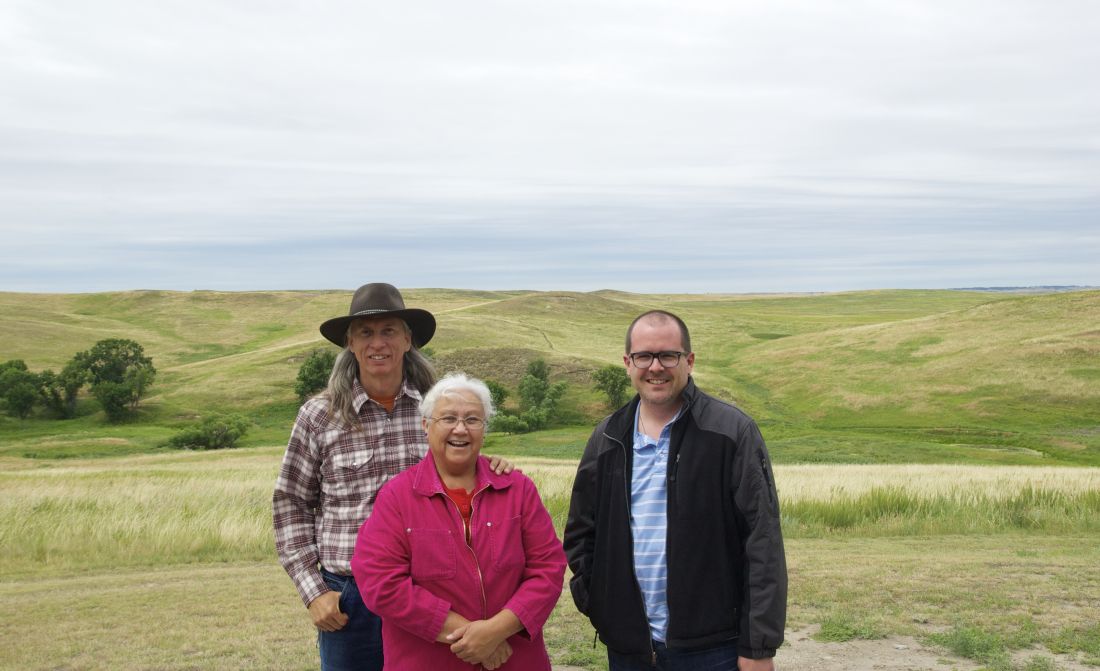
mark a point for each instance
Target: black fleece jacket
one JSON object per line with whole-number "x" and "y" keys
{"x": 727, "y": 574}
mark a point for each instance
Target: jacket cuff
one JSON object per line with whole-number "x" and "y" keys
{"x": 437, "y": 618}
{"x": 531, "y": 627}
{"x": 756, "y": 653}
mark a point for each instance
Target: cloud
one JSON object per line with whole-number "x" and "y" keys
{"x": 565, "y": 145}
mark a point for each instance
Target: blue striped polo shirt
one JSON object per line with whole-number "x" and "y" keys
{"x": 649, "y": 522}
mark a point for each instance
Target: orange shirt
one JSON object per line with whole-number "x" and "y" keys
{"x": 385, "y": 401}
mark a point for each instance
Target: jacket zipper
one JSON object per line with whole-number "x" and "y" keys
{"x": 633, "y": 572}
{"x": 469, "y": 544}
{"x": 470, "y": 547}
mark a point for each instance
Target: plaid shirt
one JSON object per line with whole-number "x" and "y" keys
{"x": 330, "y": 477}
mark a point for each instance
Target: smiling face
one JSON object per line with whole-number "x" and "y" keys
{"x": 656, "y": 384}
{"x": 455, "y": 449}
{"x": 379, "y": 345}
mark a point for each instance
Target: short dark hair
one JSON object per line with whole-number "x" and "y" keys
{"x": 661, "y": 316}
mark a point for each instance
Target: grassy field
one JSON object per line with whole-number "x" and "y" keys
{"x": 172, "y": 555}
{"x": 938, "y": 463}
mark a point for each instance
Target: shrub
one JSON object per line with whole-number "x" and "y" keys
{"x": 115, "y": 397}
{"x": 59, "y": 390}
{"x": 613, "y": 382}
{"x": 212, "y": 433}
{"x": 509, "y": 424}
{"x": 497, "y": 393}
{"x": 18, "y": 387}
{"x": 538, "y": 399}
{"x": 314, "y": 372}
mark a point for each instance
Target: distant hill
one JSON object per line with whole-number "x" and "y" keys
{"x": 1031, "y": 290}
{"x": 856, "y": 376}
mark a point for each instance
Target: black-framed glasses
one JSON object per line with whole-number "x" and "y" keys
{"x": 645, "y": 359}
{"x": 450, "y": 421}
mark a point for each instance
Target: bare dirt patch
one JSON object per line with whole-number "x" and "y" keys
{"x": 894, "y": 653}
{"x": 801, "y": 652}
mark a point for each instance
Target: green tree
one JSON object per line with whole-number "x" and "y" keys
{"x": 538, "y": 398}
{"x": 313, "y": 373}
{"x": 119, "y": 374}
{"x": 21, "y": 397}
{"x": 540, "y": 369}
{"x": 534, "y": 385}
{"x": 18, "y": 388}
{"x": 13, "y": 364}
{"x": 612, "y": 381}
{"x": 497, "y": 393}
{"x": 212, "y": 433}
{"x": 59, "y": 390}
{"x": 115, "y": 398}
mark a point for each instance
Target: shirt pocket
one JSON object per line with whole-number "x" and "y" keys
{"x": 345, "y": 472}
{"x": 433, "y": 554}
{"x": 506, "y": 541}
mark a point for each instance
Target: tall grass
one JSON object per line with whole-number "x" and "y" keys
{"x": 939, "y": 499}
{"x": 888, "y": 511}
{"x": 188, "y": 508}
{"x": 138, "y": 511}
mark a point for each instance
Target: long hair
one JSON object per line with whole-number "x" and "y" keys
{"x": 340, "y": 391}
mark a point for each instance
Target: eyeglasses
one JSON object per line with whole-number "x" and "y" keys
{"x": 645, "y": 359}
{"x": 450, "y": 422}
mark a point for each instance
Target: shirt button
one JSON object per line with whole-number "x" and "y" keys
{"x": 488, "y": 524}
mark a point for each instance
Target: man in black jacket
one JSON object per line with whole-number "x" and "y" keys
{"x": 673, "y": 534}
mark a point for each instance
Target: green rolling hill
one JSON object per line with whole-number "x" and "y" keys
{"x": 875, "y": 376}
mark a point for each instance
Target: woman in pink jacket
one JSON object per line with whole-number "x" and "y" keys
{"x": 463, "y": 565}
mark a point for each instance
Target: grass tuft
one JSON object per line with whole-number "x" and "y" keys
{"x": 975, "y": 643}
{"x": 1073, "y": 639}
{"x": 841, "y": 627}
{"x": 1040, "y": 663}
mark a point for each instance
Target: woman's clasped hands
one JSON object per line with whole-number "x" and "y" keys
{"x": 481, "y": 642}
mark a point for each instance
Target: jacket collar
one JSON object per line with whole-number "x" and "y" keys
{"x": 426, "y": 480}
{"x": 621, "y": 423}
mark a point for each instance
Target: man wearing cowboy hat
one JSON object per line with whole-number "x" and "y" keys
{"x": 347, "y": 442}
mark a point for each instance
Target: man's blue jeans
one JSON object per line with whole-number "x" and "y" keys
{"x": 358, "y": 646}
{"x": 719, "y": 658}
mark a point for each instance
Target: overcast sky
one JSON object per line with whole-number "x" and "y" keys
{"x": 694, "y": 146}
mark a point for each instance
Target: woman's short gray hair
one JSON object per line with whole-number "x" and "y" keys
{"x": 455, "y": 383}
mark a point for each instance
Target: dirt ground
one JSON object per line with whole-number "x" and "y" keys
{"x": 896, "y": 653}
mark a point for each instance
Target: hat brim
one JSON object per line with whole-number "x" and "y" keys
{"x": 421, "y": 323}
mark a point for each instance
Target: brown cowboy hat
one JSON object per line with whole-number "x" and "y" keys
{"x": 380, "y": 300}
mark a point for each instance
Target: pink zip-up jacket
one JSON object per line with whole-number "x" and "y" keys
{"x": 412, "y": 565}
